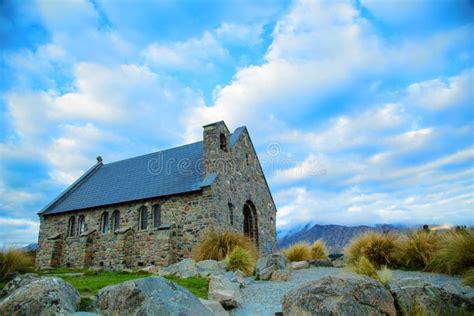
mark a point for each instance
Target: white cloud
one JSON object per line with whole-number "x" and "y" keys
{"x": 239, "y": 34}
{"x": 196, "y": 54}
{"x": 443, "y": 93}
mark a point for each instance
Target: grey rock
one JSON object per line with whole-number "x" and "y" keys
{"x": 339, "y": 262}
{"x": 281, "y": 275}
{"x": 298, "y": 265}
{"x": 321, "y": 263}
{"x": 83, "y": 314}
{"x": 414, "y": 293}
{"x": 214, "y": 307}
{"x": 148, "y": 296}
{"x": 267, "y": 264}
{"x": 150, "y": 269}
{"x": 339, "y": 295}
{"x": 184, "y": 269}
{"x": 236, "y": 277}
{"x": 207, "y": 268}
{"x": 224, "y": 291}
{"x": 39, "y": 296}
{"x": 18, "y": 282}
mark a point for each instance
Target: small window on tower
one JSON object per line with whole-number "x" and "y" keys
{"x": 223, "y": 142}
{"x": 231, "y": 213}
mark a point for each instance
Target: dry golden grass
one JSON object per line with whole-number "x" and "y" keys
{"x": 468, "y": 278}
{"x": 384, "y": 275}
{"x": 241, "y": 259}
{"x": 455, "y": 254}
{"x": 378, "y": 248}
{"x": 14, "y": 260}
{"x": 216, "y": 245}
{"x": 318, "y": 250}
{"x": 417, "y": 249}
{"x": 298, "y": 252}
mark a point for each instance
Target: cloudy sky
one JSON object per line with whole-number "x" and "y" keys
{"x": 362, "y": 112}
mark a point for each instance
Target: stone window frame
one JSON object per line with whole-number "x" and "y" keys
{"x": 71, "y": 226}
{"x": 104, "y": 223}
{"x": 142, "y": 220}
{"x": 157, "y": 209}
{"x": 81, "y": 224}
{"x": 115, "y": 220}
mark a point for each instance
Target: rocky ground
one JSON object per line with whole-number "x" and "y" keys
{"x": 264, "y": 297}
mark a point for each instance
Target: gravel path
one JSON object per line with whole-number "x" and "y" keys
{"x": 263, "y": 298}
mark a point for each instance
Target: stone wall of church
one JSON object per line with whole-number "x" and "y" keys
{"x": 183, "y": 219}
{"x": 240, "y": 180}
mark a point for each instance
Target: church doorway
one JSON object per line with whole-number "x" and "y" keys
{"x": 250, "y": 221}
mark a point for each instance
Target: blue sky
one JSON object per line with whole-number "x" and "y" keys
{"x": 362, "y": 112}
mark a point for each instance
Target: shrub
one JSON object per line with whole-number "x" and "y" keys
{"x": 14, "y": 260}
{"x": 240, "y": 259}
{"x": 318, "y": 250}
{"x": 468, "y": 278}
{"x": 298, "y": 252}
{"x": 378, "y": 248}
{"x": 365, "y": 267}
{"x": 417, "y": 249}
{"x": 455, "y": 254}
{"x": 216, "y": 245}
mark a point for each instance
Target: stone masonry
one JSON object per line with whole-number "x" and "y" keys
{"x": 238, "y": 199}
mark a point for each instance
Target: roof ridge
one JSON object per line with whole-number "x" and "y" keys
{"x": 153, "y": 153}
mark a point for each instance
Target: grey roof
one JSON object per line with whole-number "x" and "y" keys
{"x": 172, "y": 171}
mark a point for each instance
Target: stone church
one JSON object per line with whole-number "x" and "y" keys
{"x": 152, "y": 209}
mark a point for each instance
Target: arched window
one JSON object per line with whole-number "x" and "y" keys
{"x": 143, "y": 218}
{"x": 115, "y": 220}
{"x": 104, "y": 223}
{"x": 82, "y": 224}
{"x": 223, "y": 142}
{"x": 157, "y": 216}
{"x": 71, "y": 226}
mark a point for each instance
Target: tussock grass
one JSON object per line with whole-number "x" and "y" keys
{"x": 365, "y": 267}
{"x": 378, "y": 248}
{"x": 241, "y": 259}
{"x": 455, "y": 254}
{"x": 384, "y": 275}
{"x": 14, "y": 260}
{"x": 468, "y": 278}
{"x": 318, "y": 250}
{"x": 217, "y": 245}
{"x": 416, "y": 250}
{"x": 298, "y": 252}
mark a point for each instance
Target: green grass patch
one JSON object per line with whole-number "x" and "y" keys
{"x": 197, "y": 286}
{"x": 91, "y": 281}
{"x": 60, "y": 271}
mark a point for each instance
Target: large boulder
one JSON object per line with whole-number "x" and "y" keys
{"x": 298, "y": 265}
{"x": 33, "y": 295}
{"x": 267, "y": 264}
{"x": 414, "y": 294}
{"x": 184, "y": 269}
{"x": 17, "y": 282}
{"x": 281, "y": 275}
{"x": 207, "y": 268}
{"x": 214, "y": 307}
{"x": 224, "y": 291}
{"x": 339, "y": 295}
{"x": 148, "y": 296}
